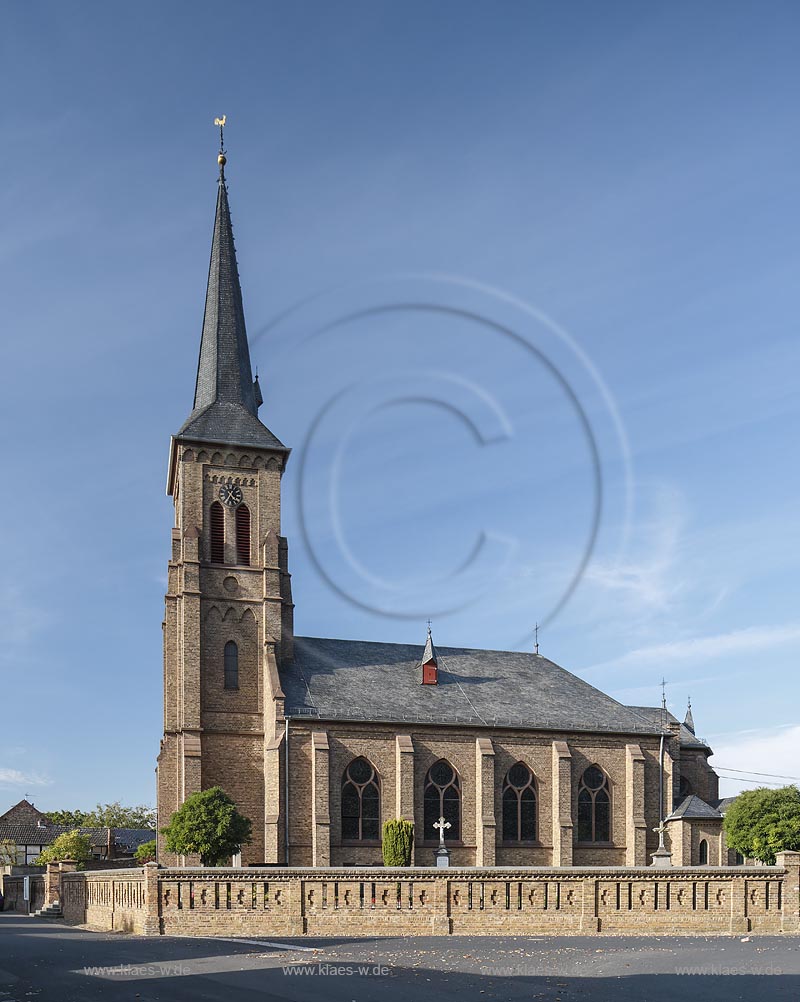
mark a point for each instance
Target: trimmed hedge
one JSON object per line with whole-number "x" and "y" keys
{"x": 398, "y": 838}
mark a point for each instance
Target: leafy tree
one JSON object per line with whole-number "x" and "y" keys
{"x": 398, "y": 838}
{"x": 9, "y": 853}
{"x": 68, "y": 845}
{"x": 75, "y": 819}
{"x": 116, "y": 816}
{"x": 146, "y": 852}
{"x": 763, "y": 822}
{"x": 106, "y": 816}
{"x": 208, "y": 824}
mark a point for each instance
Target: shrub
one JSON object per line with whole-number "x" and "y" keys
{"x": 146, "y": 852}
{"x": 207, "y": 824}
{"x": 68, "y": 845}
{"x": 398, "y": 838}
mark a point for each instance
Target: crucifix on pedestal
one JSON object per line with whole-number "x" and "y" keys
{"x": 662, "y": 857}
{"x": 442, "y": 854}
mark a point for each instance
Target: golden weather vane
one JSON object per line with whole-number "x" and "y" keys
{"x": 221, "y": 123}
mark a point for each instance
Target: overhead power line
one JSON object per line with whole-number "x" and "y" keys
{"x": 749, "y": 772}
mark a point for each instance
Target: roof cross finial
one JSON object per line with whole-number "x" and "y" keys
{"x": 429, "y": 626}
{"x": 221, "y": 159}
{"x": 536, "y": 639}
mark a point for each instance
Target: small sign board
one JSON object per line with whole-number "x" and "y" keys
{"x": 26, "y": 888}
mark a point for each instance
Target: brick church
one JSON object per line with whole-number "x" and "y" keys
{"x": 319, "y": 741}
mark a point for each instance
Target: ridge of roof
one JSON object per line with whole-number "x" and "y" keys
{"x": 372, "y": 680}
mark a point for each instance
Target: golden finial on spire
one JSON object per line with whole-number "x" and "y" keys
{"x": 221, "y": 159}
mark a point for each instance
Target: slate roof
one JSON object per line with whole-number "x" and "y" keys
{"x": 132, "y": 838}
{"x": 226, "y": 398}
{"x": 725, "y": 803}
{"x": 34, "y": 835}
{"x": 694, "y": 807}
{"x": 687, "y": 737}
{"x": 26, "y": 834}
{"x": 362, "y": 680}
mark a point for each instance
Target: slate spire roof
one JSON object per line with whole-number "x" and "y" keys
{"x": 429, "y": 654}
{"x": 688, "y": 720}
{"x": 226, "y": 397}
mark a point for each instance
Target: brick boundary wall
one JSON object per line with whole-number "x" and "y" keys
{"x": 379, "y": 901}
{"x": 13, "y": 900}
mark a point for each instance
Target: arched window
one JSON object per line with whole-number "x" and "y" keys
{"x": 217, "y": 534}
{"x": 684, "y": 788}
{"x": 361, "y": 802}
{"x": 442, "y": 800}
{"x": 519, "y": 805}
{"x": 243, "y": 535}
{"x": 231, "y": 665}
{"x": 594, "y": 806}
{"x": 703, "y": 852}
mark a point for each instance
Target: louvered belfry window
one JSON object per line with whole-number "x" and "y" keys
{"x": 243, "y": 535}
{"x": 217, "y": 534}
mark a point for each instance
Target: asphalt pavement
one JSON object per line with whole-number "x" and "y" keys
{"x": 47, "y": 961}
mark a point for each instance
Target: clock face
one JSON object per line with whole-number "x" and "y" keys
{"x": 231, "y": 495}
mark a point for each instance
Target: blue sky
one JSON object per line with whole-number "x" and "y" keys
{"x": 610, "y": 194}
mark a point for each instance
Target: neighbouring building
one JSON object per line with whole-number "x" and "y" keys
{"x": 321, "y": 740}
{"x": 30, "y": 831}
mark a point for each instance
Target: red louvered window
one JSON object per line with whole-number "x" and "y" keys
{"x": 243, "y": 535}
{"x": 217, "y": 534}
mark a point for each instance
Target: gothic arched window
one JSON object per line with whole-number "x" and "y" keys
{"x": 442, "y": 799}
{"x": 594, "y": 806}
{"x": 231, "y": 665}
{"x": 703, "y": 852}
{"x": 243, "y": 535}
{"x": 684, "y": 788}
{"x": 217, "y": 534}
{"x": 361, "y": 802}
{"x": 519, "y": 805}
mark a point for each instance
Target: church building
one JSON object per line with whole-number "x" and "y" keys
{"x": 319, "y": 741}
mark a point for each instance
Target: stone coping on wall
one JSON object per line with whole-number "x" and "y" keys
{"x": 382, "y": 872}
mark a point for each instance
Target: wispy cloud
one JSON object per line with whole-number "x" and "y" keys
{"x": 701, "y": 649}
{"x": 651, "y": 694}
{"x": 759, "y": 751}
{"x": 15, "y": 777}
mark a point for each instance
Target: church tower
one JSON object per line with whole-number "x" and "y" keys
{"x": 228, "y": 617}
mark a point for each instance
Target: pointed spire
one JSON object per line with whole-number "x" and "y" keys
{"x": 429, "y": 654}
{"x": 224, "y": 374}
{"x": 226, "y": 397}
{"x": 688, "y": 720}
{"x": 430, "y": 667}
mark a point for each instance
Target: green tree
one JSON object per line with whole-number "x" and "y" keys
{"x": 74, "y": 819}
{"x": 106, "y": 816}
{"x": 68, "y": 845}
{"x": 398, "y": 838}
{"x": 9, "y": 853}
{"x": 761, "y": 823}
{"x": 146, "y": 852}
{"x": 207, "y": 824}
{"x": 116, "y": 816}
